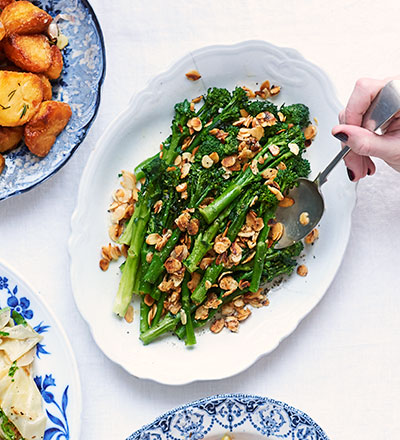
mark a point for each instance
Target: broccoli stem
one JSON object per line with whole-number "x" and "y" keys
{"x": 160, "y": 306}
{"x": 169, "y": 322}
{"x": 261, "y": 251}
{"x": 144, "y": 313}
{"x": 190, "y": 336}
{"x": 156, "y": 265}
{"x": 139, "y": 173}
{"x": 130, "y": 270}
{"x": 203, "y": 242}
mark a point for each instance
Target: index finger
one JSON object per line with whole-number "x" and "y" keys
{"x": 363, "y": 94}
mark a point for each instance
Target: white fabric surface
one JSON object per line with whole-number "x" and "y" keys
{"x": 341, "y": 364}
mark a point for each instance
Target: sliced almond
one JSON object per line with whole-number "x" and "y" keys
{"x": 274, "y": 150}
{"x": 153, "y": 239}
{"x": 193, "y": 75}
{"x": 302, "y": 270}
{"x": 276, "y": 231}
{"x": 310, "y": 132}
{"x": 286, "y": 202}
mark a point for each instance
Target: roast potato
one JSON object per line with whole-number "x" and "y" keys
{"x": 47, "y": 90}
{"x": 2, "y": 163}
{"x": 20, "y": 97}
{"x": 4, "y": 3}
{"x": 2, "y": 30}
{"x": 41, "y": 131}
{"x": 56, "y": 65}
{"x": 23, "y": 17}
{"x": 30, "y": 52}
{"x": 10, "y": 137}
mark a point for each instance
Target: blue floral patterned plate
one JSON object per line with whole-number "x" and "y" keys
{"x": 246, "y": 417}
{"x": 79, "y": 86}
{"x": 55, "y": 369}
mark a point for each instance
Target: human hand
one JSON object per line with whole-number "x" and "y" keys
{"x": 363, "y": 142}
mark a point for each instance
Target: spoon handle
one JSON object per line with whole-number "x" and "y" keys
{"x": 323, "y": 175}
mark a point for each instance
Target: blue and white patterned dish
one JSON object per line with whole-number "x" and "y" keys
{"x": 55, "y": 370}
{"x": 246, "y": 417}
{"x": 79, "y": 86}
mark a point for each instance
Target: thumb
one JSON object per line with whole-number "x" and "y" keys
{"x": 367, "y": 143}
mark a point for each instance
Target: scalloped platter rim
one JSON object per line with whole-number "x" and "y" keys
{"x": 243, "y": 415}
{"x": 136, "y": 134}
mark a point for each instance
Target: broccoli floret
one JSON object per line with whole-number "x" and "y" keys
{"x": 256, "y": 107}
{"x": 211, "y": 144}
{"x": 281, "y": 262}
{"x": 297, "y": 114}
{"x": 232, "y": 110}
{"x": 218, "y": 97}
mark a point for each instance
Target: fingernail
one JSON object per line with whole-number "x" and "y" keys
{"x": 342, "y": 137}
{"x": 350, "y": 174}
{"x": 369, "y": 172}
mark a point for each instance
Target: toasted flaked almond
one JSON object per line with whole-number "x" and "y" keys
{"x": 275, "y": 90}
{"x": 304, "y": 218}
{"x": 163, "y": 241}
{"x": 119, "y": 213}
{"x": 281, "y": 117}
{"x": 269, "y": 173}
{"x": 206, "y": 161}
{"x": 195, "y": 123}
{"x": 274, "y": 150}
{"x": 148, "y": 300}
{"x": 312, "y": 236}
{"x": 172, "y": 265}
{"x": 187, "y": 156}
{"x": 153, "y": 239}
{"x": 122, "y": 195}
{"x": 302, "y": 270}
{"x": 128, "y": 180}
{"x": 171, "y": 169}
{"x": 149, "y": 257}
{"x": 178, "y": 160}
{"x": 286, "y": 202}
{"x": 227, "y": 309}
{"x": 250, "y": 94}
{"x": 212, "y": 301}
{"x": 221, "y": 244}
{"x": 229, "y": 161}
{"x": 207, "y": 284}
{"x": 183, "y": 316}
{"x": 232, "y": 323}
{"x": 158, "y": 206}
{"x": 238, "y": 302}
{"x": 243, "y": 113}
{"x": 198, "y": 99}
{"x": 265, "y": 85}
{"x": 183, "y": 221}
{"x": 129, "y": 315}
{"x": 201, "y": 313}
{"x": 236, "y": 253}
{"x": 257, "y": 132}
{"x": 254, "y": 167}
{"x": 193, "y": 283}
{"x": 205, "y": 262}
{"x": 151, "y": 314}
{"x": 265, "y": 119}
{"x": 165, "y": 285}
{"x": 276, "y": 192}
{"x": 276, "y": 231}
{"x": 180, "y": 252}
{"x": 193, "y": 75}
{"x": 181, "y": 187}
{"x": 244, "y": 284}
{"x": 217, "y": 325}
{"x": 192, "y": 106}
{"x": 110, "y": 252}
{"x": 294, "y": 148}
{"x": 249, "y": 258}
{"x": 214, "y": 157}
{"x": 310, "y": 132}
{"x": 186, "y": 142}
{"x": 193, "y": 226}
{"x": 228, "y": 283}
{"x": 115, "y": 231}
{"x": 104, "y": 263}
{"x": 185, "y": 169}
{"x": 243, "y": 313}
{"x": 281, "y": 166}
{"x": 254, "y": 222}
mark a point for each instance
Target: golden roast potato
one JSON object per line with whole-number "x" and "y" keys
{"x": 23, "y": 17}
{"x": 10, "y": 137}
{"x": 56, "y": 65}
{"x": 30, "y": 52}
{"x": 41, "y": 131}
{"x": 20, "y": 97}
{"x": 4, "y": 3}
{"x": 47, "y": 90}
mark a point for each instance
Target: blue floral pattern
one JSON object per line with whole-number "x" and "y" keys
{"x": 232, "y": 413}
{"x": 58, "y": 421}
{"x": 79, "y": 86}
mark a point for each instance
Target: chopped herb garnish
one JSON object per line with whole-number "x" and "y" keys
{"x": 4, "y": 107}
{"x": 4, "y": 334}
{"x": 13, "y": 369}
{"x": 18, "y": 319}
{"x": 24, "y": 109}
{"x": 11, "y": 95}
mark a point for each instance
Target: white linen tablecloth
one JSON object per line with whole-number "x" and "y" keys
{"x": 341, "y": 365}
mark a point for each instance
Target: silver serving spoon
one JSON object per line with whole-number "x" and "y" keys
{"x": 309, "y": 203}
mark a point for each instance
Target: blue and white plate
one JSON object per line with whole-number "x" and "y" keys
{"x": 245, "y": 417}
{"x": 55, "y": 369}
{"x": 79, "y": 86}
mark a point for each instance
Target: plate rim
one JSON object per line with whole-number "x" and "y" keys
{"x": 100, "y": 147}
{"x": 245, "y": 396}
{"x": 85, "y": 128}
{"x": 40, "y": 299}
